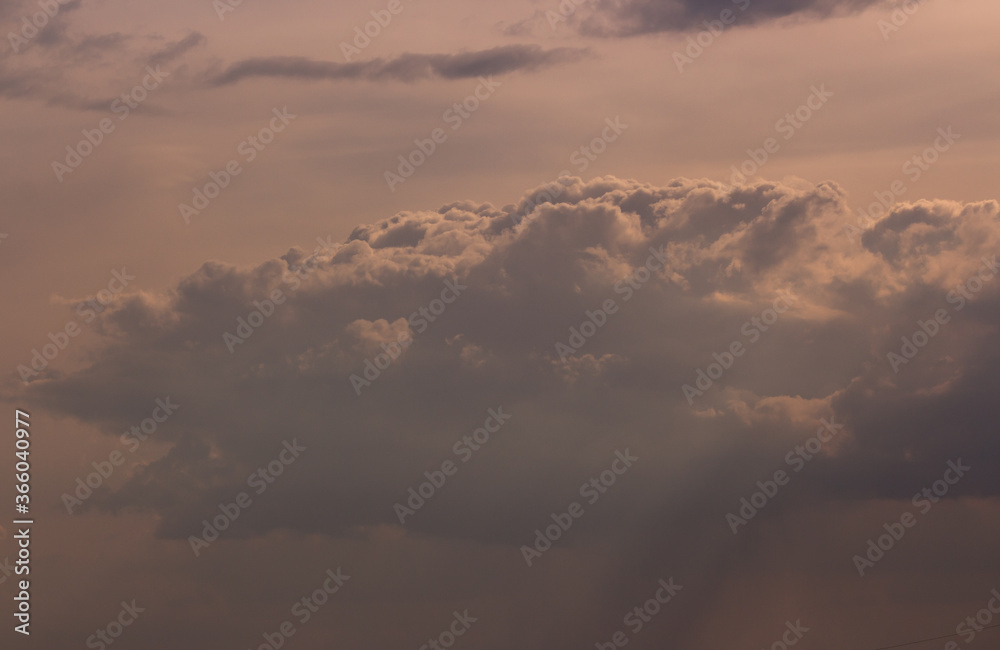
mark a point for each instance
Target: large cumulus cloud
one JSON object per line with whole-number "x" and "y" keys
{"x": 731, "y": 251}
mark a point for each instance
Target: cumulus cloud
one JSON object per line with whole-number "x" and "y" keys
{"x": 731, "y": 252}
{"x": 405, "y": 67}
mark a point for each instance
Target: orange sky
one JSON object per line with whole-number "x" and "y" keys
{"x": 324, "y": 176}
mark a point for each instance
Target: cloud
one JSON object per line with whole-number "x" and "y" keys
{"x": 33, "y": 75}
{"x": 622, "y": 18}
{"x": 176, "y": 49}
{"x": 731, "y": 252}
{"x": 54, "y": 30}
{"x": 405, "y": 67}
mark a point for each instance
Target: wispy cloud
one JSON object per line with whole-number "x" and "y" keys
{"x": 172, "y": 51}
{"x": 405, "y": 67}
{"x": 622, "y": 18}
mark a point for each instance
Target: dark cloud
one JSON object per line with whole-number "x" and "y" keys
{"x": 53, "y": 32}
{"x": 16, "y": 83}
{"x": 98, "y": 46}
{"x": 21, "y": 76}
{"x": 635, "y": 17}
{"x": 405, "y": 67}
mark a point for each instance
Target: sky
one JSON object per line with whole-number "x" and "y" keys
{"x": 485, "y": 325}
